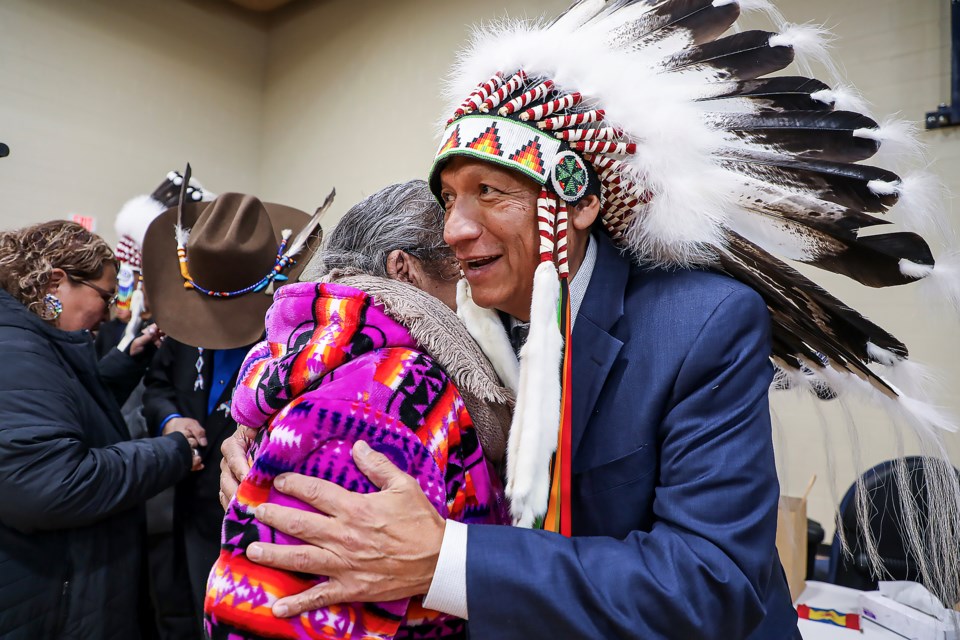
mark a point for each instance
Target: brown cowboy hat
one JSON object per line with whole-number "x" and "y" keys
{"x": 232, "y": 245}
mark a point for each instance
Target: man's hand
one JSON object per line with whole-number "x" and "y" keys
{"x": 233, "y": 466}
{"x": 196, "y": 462}
{"x": 149, "y": 335}
{"x": 373, "y": 547}
{"x": 190, "y": 428}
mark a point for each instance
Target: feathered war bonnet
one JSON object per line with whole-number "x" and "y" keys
{"x": 702, "y": 160}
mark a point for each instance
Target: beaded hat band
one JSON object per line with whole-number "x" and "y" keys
{"x": 207, "y": 265}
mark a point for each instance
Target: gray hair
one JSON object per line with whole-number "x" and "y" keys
{"x": 403, "y": 216}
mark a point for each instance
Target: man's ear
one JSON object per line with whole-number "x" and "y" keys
{"x": 585, "y": 212}
{"x": 400, "y": 267}
{"x": 56, "y": 277}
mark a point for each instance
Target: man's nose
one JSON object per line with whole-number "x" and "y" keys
{"x": 462, "y": 224}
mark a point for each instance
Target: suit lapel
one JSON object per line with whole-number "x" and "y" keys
{"x": 594, "y": 349}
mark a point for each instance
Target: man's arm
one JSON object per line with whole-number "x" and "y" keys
{"x": 121, "y": 373}
{"x": 160, "y": 396}
{"x": 702, "y": 570}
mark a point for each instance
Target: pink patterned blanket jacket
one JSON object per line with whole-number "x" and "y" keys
{"x": 334, "y": 369}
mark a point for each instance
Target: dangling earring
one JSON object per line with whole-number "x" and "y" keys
{"x": 52, "y": 306}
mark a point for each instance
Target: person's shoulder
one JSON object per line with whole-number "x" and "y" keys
{"x": 676, "y": 305}
{"x": 34, "y": 363}
{"x": 23, "y": 340}
{"x": 690, "y": 291}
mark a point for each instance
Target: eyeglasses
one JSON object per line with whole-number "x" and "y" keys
{"x": 109, "y": 298}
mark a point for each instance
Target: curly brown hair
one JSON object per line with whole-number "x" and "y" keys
{"x": 28, "y": 256}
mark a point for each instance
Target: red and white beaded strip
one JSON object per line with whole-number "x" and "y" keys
{"x": 612, "y": 222}
{"x": 537, "y": 93}
{"x": 623, "y": 192}
{"x": 546, "y": 212}
{"x": 600, "y": 146}
{"x": 481, "y": 93}
{"x": 541, "y": 111}
{"x": 572, "y": 120}
{"x": 620, "y": 220}
{"x": 561, "y": 239}
{"x": 628, "y": 196}
{"x": 501, "y": 94}
{"x": 615, "y": 171}
{"x": 603, "y": 133}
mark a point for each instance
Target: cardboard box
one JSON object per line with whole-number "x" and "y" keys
{"x": 792, "y": 539}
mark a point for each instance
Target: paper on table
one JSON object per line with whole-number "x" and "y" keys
{"x": 916, "y": 595}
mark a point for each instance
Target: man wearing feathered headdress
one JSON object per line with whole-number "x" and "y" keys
{"x": 615, "y": 186}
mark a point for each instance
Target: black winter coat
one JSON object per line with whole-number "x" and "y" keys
{"x": 72, "y": 485}
{"x": 198, "y": 516}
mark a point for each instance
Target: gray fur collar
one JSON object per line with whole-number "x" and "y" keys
{"x": 439, "y": 331}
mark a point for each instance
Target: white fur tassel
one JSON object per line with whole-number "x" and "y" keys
{"x": 757, "y": 6}
{"x": 913, "y": 269}
{"x": 920, "y": 207}
{"x": 899, "y": 144}
{"x": 916, "y": 379}
{"x": 927, "y": 419}
{"x": 536, "y": 419}
{"x": 811, "y": 44}
{"x": 942, "y": 285}
{"x": 843, "y": 98}
{"x": 488, "y": 331}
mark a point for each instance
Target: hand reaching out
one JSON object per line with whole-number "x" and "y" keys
{"x": 190, "y": 428}
{"x": 149, "y": 335}
{"x": 195, "y": 434}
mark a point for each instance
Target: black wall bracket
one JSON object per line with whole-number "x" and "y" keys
{"x": 949, "y": 115}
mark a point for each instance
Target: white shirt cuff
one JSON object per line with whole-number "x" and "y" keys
{"x": 448, "y": 590}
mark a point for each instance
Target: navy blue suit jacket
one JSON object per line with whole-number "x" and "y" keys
{"x": 674, "y": 485}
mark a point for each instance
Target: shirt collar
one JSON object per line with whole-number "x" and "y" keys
{"x": 578, "y": 285}
{"x": 581, "y": 280}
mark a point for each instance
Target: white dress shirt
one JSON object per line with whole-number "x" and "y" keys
{"x": 448, "y": 590}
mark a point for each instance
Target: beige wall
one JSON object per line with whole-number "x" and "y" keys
{"x": 352, "y": 95}
{"x": 101, "y": 98}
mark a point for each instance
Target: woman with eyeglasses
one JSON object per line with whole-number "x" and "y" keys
{"x": 72, "y": 484}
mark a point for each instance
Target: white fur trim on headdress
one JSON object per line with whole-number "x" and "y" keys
{"x": 536, "y": 419}
{"x": 135, "y": 216}
{"x": 488, "y": 331}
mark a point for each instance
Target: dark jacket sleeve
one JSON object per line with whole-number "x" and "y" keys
{"x": 160, "y": 396}
{"x": 702, "y": 570}
{"x": 121, "y": 373}
{"x": 52, "y": 478}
